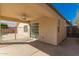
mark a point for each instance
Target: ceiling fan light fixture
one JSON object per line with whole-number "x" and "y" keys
{"x": 23, "y": 17}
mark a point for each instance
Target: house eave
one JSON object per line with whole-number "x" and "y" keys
{"x": 52, "y": 7}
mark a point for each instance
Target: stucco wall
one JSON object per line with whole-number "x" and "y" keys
{"x": 48, "y": 31}
{"x": 61, "y": 35}
{"x": 20, "y": 31}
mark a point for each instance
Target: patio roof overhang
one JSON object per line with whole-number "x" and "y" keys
{"x": 14, "y": 11}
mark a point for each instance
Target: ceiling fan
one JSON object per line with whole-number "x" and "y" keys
{"x": 24, "y": 17}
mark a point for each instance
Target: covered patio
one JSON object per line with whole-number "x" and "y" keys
{"x": 40, "y": 20}
{"x": 15, "y": 15}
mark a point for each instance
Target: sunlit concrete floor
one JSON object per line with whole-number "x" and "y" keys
{"x": 69, "y": 47}
{"x": 18, "y": 38}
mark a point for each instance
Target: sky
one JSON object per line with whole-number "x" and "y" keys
{"x": 68, "y": 10}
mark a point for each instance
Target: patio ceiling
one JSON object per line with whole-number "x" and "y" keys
{"x": 14, "y": 11}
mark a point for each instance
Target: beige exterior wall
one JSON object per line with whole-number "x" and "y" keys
{"x": 48, "y": 29}
{"x": 20, "y": 31}
{"x": 61, "y": 35}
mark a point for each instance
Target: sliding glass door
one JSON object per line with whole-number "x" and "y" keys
{"x": 34, "y": 29}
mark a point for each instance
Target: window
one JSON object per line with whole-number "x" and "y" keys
{"x": 58, "y": 25}
{"x": 25, "y": 28}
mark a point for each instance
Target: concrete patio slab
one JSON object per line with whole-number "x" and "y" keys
{"x": 69, "y": 47}
{"x": 18, "y": 50}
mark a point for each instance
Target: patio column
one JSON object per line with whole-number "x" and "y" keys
{"x": 16, "y": 29}
{"x": 0, "y": 32}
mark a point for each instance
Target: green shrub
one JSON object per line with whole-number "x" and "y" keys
{"x": 3, "y": 26}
